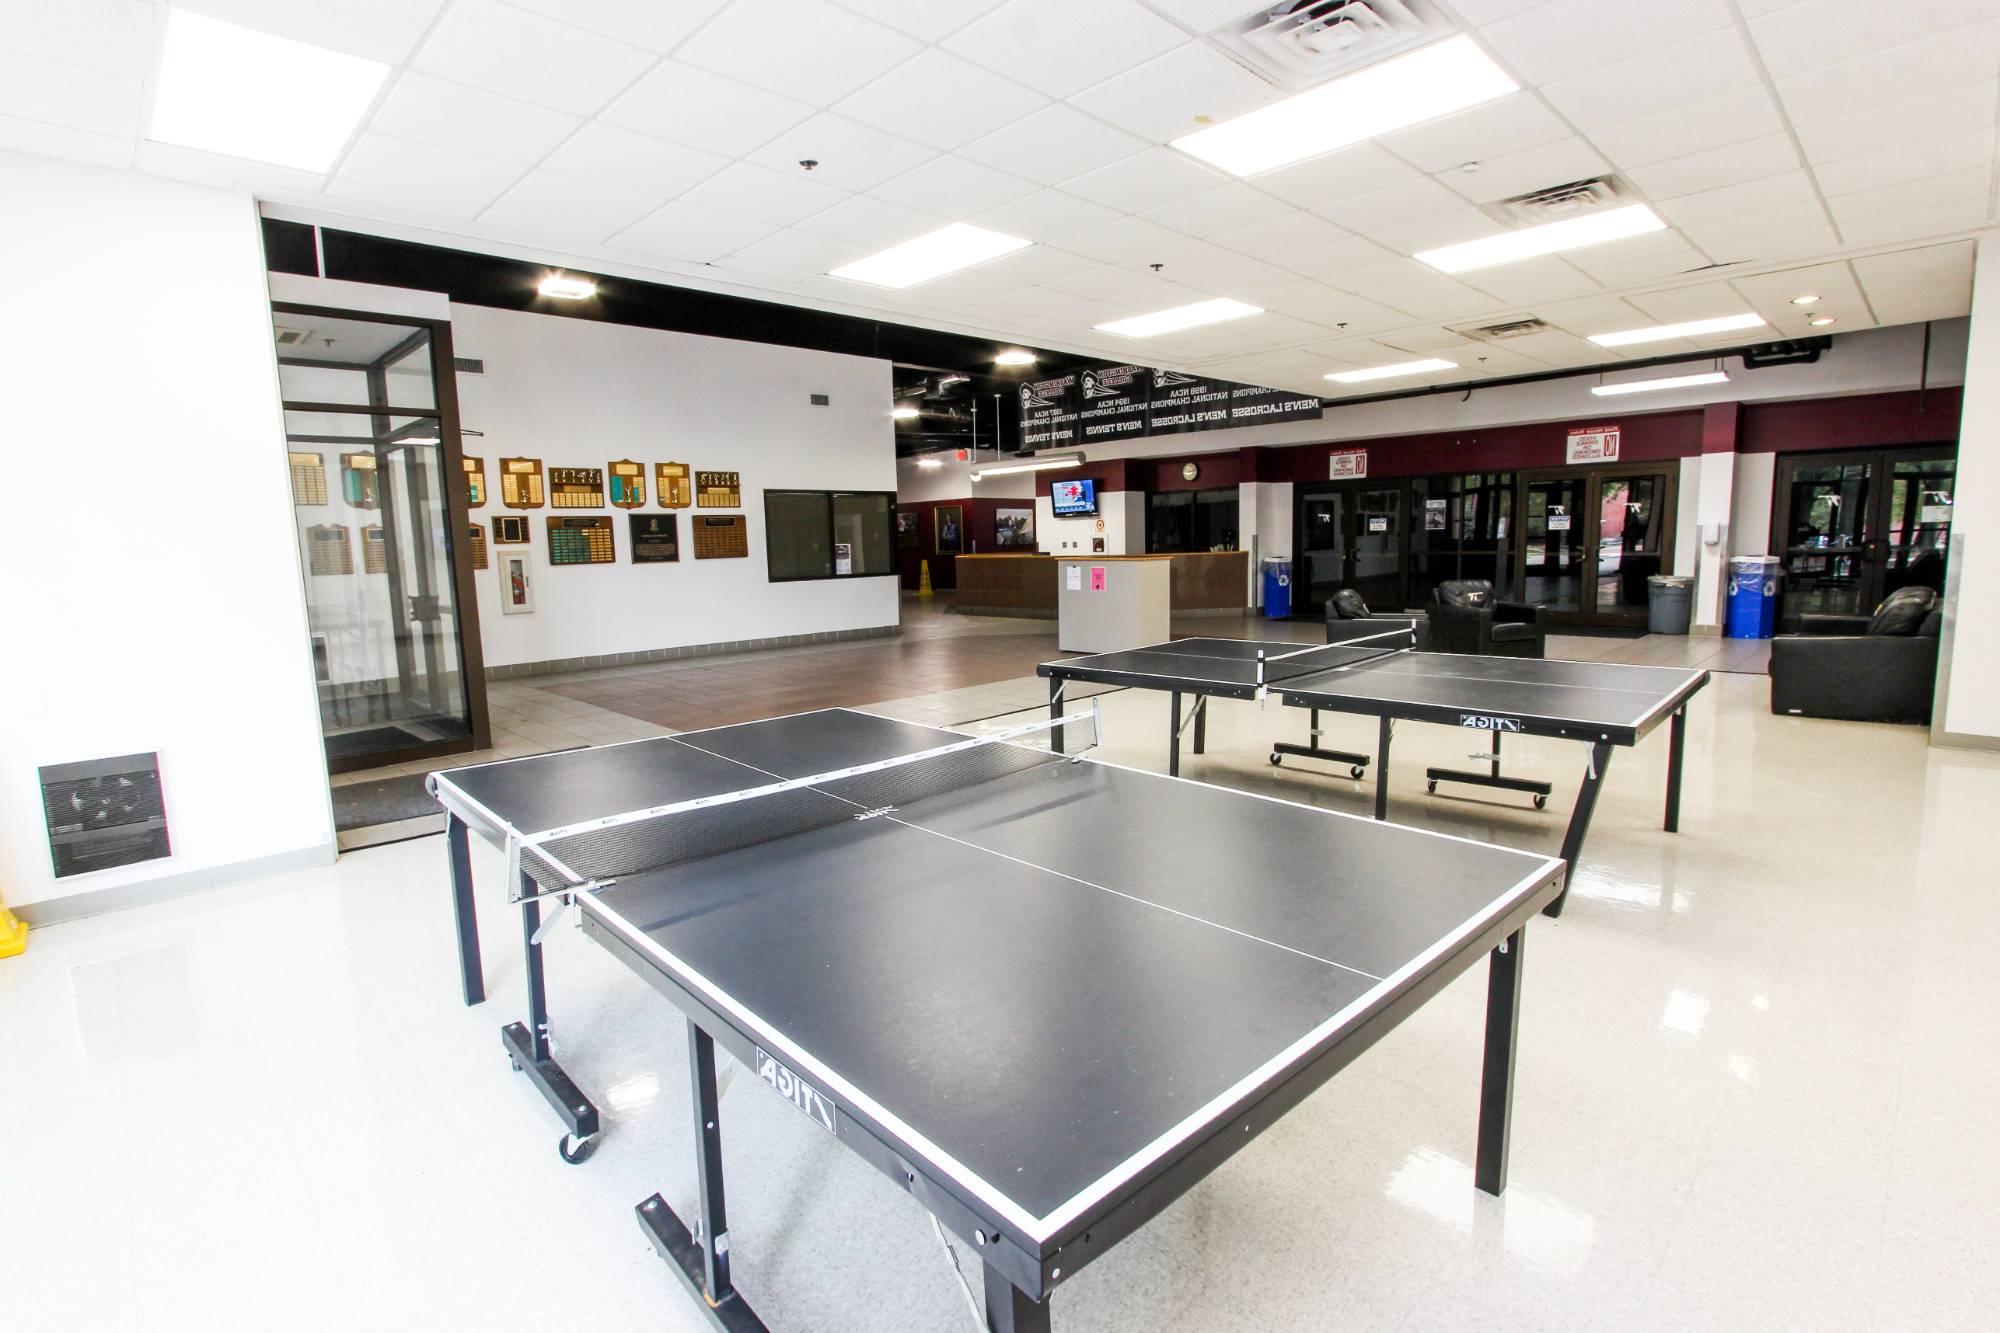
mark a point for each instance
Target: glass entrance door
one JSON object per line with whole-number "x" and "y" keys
{"x": 1631, "y": 522}
{"x": 1350, "y": 537}
{"x": 1553, "y": 542}
{"x": 1591, "y": 540}
{"x": 1857, "y": 526}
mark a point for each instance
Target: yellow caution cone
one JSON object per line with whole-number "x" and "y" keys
{"x": 13, "y": 933}
{"x": 923, "y": 578}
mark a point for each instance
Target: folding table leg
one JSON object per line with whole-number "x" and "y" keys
{"x": 1676, "y": 741}
{"x": 1200, "y": 723}
{"x": 471, "y": 976}
{"x": 1386, "y": 730}
{"x": 1008, "y": 1309}
{"x": 1496, "y": 1079}
{"x": 1579, "y": 819}
{"x": 1174, "y": 737}
{"x": 528, "y": 1046}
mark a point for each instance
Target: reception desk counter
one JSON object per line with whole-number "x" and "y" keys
{"x": 1214, "y": 582}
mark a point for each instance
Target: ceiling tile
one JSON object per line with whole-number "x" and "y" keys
{"x": 1910, "y": 162}
{"x": 1041, "y": 304}
{"x": 221, "y": 171}
{"x": 34, "y": 136}
{"x": 693, "y": 107}
{"x": 794, "y": 253}
{"x": 775, "y": 197}
{"x": 1122, "y": 239}
{"x": 435, "y": 180}
{"x": 932, "y": 20}
{"x": 1252, "y": 280}
{"x": 1333, "y": 177}
{"x": 1730, "y": 201}
{"x": 1805, "y": 36}
{"x": 1187, "y": 261}
{"x": 1895, "y": 74}
{"x": 109, "y": 36}
{"x": 1524, "y": 172}
{"x": 1061, "y": 47}
{"x": 510, "y": 51}
{"x": 1568, "y": 37}
{"x": 1411, "y": 201}
{"x": 64, "y": 95}
{"x": 851, "y": 156}
{"x": 1177, "y": 93}
{"x": 1038, "y": 264}
{"x": 451, "y": 115}
{"x": 1289, "y": 234}
{"x": 1103, "y": 282}
{"x": 873, "y": 222}
{"x": 1749, "y": 160}
{"x": 954, "y": 186}
{"x": 1146, "y": 180}
{"x": 1203, "y": 15}
{"x": 1233, "y": 205}
{"x": 1703, "y": 300}
{"x": 1532, "y": 281}
{"x": 1467, "y": 224}
{"x": 1912, "y": 224}
{"x": 1887, "y": 279}
{"x": 1491, "y": 130}
{"x": 650, "y": 27}
{"x": 943, "y": 101}
{"x": 807, "y": 49}
{"x": 382, "y": 30}
{"x": 1330, "y": 261}
{"x": 1785, "y": 232}
{"x": 685, "y": 232}
{"x": 1431, "y": 296}
{"x": 545, "y": 202}
{"x": 1930, "y": 192}
{"x": 1948, "y": 111}
{"x": 1661, "y": 80}
{"x": 1053, "y": 145}
{"x": 1637, "y": 258}
{"x": 1045, "y": 215}
{"x": 622, "y": 159}
{"x": 1715, "y": 122}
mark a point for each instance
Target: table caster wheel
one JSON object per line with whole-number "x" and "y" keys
{"x": 580, "y": 1153}
{"x": 1277, "y": 759}
{"x": 1356, "y": 771}
{"x": 1541, "y": 803}
{"x": 1431, "y": 787}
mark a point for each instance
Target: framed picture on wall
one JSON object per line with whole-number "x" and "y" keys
{"x": 950, "y": 529}
{"x": 517, "y": 586}
{"x": 1013, "y": 527}
{"x": 906, "y": 529}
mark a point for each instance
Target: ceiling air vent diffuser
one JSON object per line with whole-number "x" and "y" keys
{"x": 1560, "y": 202}
{"x": 1303, "y": 42}
{"x": 290, "y": 337}
{"x": 1513, "y": 328}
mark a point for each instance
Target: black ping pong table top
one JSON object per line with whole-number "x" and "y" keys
{"x": 1053, "y": 1000}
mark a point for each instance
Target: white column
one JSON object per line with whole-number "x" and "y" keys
{"x": 1968, "y": 711}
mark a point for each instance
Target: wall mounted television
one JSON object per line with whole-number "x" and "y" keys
{"x": 1073, "y": 499}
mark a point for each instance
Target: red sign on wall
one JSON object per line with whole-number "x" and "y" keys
{"x": 1593, "y": 444}
{"x": 1347, "y": 463}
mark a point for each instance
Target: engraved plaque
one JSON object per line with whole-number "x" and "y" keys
{"x": 476, "y": 536}
{"x": 628, "y": 483}
{"x": 521, "y": 483}
{"x": 358, "y": 481}
{"x": 510, "y": 530}
{"x": 581, "y": 540}
{"x": 718, "y": 490}
{"x": 671, "y": 482}
{"x": 475, "y": 483}
{"x": 327, "y": 550}
{"x": 720, "y": 537}
{"x": 576, "y": 488}
{"x": 655, "y": 538}
{"x": 308, "y": 479}
{"x": 374, "y": 555}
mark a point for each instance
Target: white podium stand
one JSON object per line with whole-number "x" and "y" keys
{"x": 1108, "y": 603}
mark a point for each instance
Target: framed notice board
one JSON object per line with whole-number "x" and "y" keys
{"x": 628, "y": 483}
{"x": 720, "y": 537}
{"x": 521, "y": 483}
{"x": 476, "y": 539}
{"x": 308, "y": 478}
{"x": 327, "y": 551}
{"x": 656, "y": 538}
{"x": 671, "y": 480}
{"x": 581, "y": 540}
{"x": 475, "y": 482}
{"x": 718, "y": 490}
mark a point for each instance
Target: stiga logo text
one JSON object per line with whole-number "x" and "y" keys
{"x": 795, "y": 1090}
{"x": 1482, "y": 722}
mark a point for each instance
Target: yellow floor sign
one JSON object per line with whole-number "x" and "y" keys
{"x": 924, "y": 578}
{"x": 13, "y": 933}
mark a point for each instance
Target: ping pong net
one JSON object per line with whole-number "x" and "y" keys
{"x": 590, "y": 853}
{"x": 1275, "y": 669}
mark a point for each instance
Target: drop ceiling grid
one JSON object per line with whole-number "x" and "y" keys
{"x": 1747, "y": 124}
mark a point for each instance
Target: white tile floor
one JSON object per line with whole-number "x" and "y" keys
{"x": 1760, "y": 1061}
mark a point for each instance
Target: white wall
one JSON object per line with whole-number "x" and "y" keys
{"x": 579, "y": 393}
{"x": 155, "y": 590}
{"x": 1971, "y": 657}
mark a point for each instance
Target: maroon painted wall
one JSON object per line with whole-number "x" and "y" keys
{"x": 1869, "y": 420}
{"x": 977, "y": 524}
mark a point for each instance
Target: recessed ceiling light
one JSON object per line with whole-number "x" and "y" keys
{"x": 1423, "y": 85}
{"x": 1821, "y": 322}
{"x": 1804, "y": 300}
{"x": 1533, "y": 242}
{"x": 904, "y": 412}
{"x": 562, "y": 287}
{"x": 1693, "y": 328}
{"x": 1015, "y": 356}
{"x": 245, "y": 93}
{"x": 1180, "y": 317}
{"x": 1390, "y": 372}
{"x": 932, "y": 255}
{"x": 1649, "y": 386}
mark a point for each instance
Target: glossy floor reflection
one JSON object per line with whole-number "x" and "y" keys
{"x": 1760, "y": 1060}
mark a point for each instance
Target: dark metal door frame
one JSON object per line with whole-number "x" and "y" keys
{"x": 1593, "y": 477}
{"x": 1874, "y": 545}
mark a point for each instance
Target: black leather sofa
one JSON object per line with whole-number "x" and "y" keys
{"x": 1468, "y": 619}
{"x": 1883, "y": 673}
{"x": 1348, "y": 618}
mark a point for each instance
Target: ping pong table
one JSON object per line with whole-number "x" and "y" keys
{"x": 1602, "y": 704}
{"x": 1043, "y": 994}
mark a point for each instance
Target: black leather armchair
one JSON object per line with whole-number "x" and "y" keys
{"x": 1348, "y": 618}
{"x": 1881, "y": 672}
{"x": 1467, "y": 619}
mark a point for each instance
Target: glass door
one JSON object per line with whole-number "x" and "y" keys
{"x": 1857, "y": 526}
{"x": 381, "y": 509}
{"x": 1631, "y": 536}
{"x": 1350, "y": 536}
{"x": 1553, "y": 540}
{"x": 1591, "y": 540}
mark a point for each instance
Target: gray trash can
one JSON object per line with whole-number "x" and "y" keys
{"x": 1669, "y": 603}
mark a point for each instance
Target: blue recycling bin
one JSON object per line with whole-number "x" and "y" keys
{"x": 1277, "y": 589}
{"x": 1753, "y": 596}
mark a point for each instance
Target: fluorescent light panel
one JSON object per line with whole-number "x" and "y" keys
{"x": 1180, "y": 317}
{"x": 244, "y": 93}
{"x": 1533, "y": 242}
{"x": 1015, "y": 356}
{"x": 1046, "y": 461}
{"x": 1693, "y": 328}
{"x": 1390, "y": 372}
{"x": 562, "y": 287}
{"x": 1423, "y": 85}
{"x": 932, "y": 255}
{"x": 1651, "y": 386}
{"x": 930, "y": 462}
